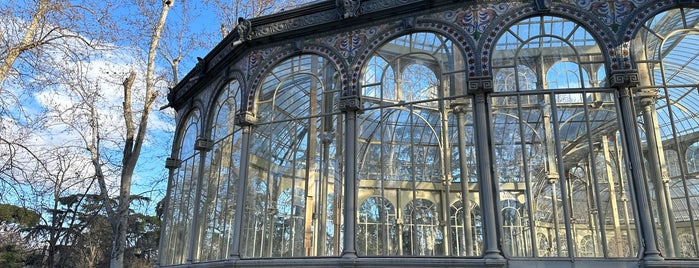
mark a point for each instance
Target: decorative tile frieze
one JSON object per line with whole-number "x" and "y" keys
{"x": 379, "y": 5}
{"x": 611, "y": 13}
{"x": 295, "y": 23}
{"x": 542, "y": 5}
{"x": 475, "y": 18}
{"x": 348, "y": 8}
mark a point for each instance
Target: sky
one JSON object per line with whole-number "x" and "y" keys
{"x": 192, "y": 29}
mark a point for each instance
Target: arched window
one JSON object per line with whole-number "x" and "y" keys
{"x": 377, "y": 234}
{"x": 688, "y": 246}
{"x": 692, "y": 158}
{"x": 466, "y": 233}
{"x": 521, "y": 78}
{"x": 422, "y": 235}
{"x": 549, "y": 115}
{"x": 514, "y": 232}
{"x": 217, "y": 200}
{"x": 182, "y": 195}
{"x": 289, "y": 223}
{"x": 587, "y": 247}
{"x": 295, "y": 147}
{"x": 414, "y": 132}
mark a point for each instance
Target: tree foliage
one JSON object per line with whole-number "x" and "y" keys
{"x": 22, "y": 217}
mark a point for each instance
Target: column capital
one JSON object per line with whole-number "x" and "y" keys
{"x": 172, "y": 163}
{"x": 326, "y": 137}
{"x": 648, "y": 96}
{"x": 203, "y": 144}
{"x": 349, "y": 103}
{"x": 460, "y": 105}
{"x": 245, "y": 118}
{"x": 480, "y": 84}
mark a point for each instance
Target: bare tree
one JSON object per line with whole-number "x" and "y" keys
{"x": 48, "y": 23}
{"x": 229, "y": 11}
{"x": 180, "y": 40}
{"x": 135, "y": 135}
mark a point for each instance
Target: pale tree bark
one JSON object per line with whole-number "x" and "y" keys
{"x": 52, "y": 22}
{"x": 134, "y": 141}
{"x": 26, "y": 43}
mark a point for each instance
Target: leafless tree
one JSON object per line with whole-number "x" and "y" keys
{"x": 228, "y": 11}
{"x": 135, "y": 135}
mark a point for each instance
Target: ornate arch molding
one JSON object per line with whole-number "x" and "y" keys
{"x": 633, "y": 25}
{"x": 601, "y": 33}
{"x": 248, "y": 104}
{"x": 407, "y": 26}
{"x": 229, "y": 76}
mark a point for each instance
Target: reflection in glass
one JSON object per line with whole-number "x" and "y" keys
{"x": 217, "y": 201}
{"x": 294, "y": 156}
{"x": 182, "y": 196}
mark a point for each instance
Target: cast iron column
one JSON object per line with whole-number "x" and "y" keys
{"x": 350, "y": 106}
{"x": 624, "y": 80}
{"x": 246, "y": 121}
{"x": 460, "y": 109}
{"x": 171, "y": 164}
{"x": 203, "y": 145}
{"x": 480, "y": 86}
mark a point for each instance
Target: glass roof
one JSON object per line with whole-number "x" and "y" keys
{"x": 669, "y": 53}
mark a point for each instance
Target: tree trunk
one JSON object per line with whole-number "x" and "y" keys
{"x": 134, "y": 141}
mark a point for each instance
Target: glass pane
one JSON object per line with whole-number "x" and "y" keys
{"x": 564, "y": 189}
{"x": 416, "y": 155}
{"x": 668, "y": 123}
{"x": 182, "y": 196}
{"x": 295, "y": 152}
{"x": 217, "y": 201}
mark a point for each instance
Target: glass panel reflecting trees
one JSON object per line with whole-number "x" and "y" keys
{"x": 564, "y": 189}
{"x": 182, "y": 196}
{"x": 217, "y": 199}
{"x": 415, "y": 151}
{"x": 667, "y": 103}
{"x": 295, "y": 180}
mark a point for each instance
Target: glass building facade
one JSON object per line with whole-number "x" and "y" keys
{"x": 393, "y": 133}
